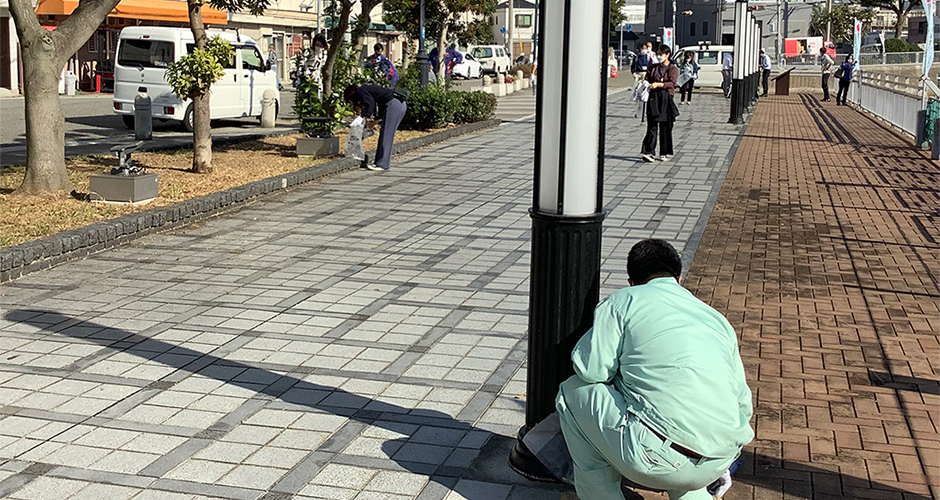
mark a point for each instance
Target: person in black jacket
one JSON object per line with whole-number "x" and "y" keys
{"x": 661, "y": 108}
{"x": 375, "y": 103}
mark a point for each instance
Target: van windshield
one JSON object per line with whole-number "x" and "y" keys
{"x": 707, "y": 57}
{"x": 145, "y": 53}
{"x": 482, "y": 52}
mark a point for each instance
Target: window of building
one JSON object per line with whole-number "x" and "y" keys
{"x": 92, "y": 43}
{"x": 704, "y": 28}
{"x": 692, "y": 28}
{"x": 659, "y": 7}
{"x": 523, "y": 20}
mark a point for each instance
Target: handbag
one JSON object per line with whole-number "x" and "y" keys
{"x": 840, "y": 73}
{"x": 613, "y": 72}
{"x": 401, "y": 94}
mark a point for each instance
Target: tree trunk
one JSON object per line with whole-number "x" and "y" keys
{"x": 899, "y": 25}
{"x": 441, "y": 47}
{"x": 202, "y": 133}
{"x": 405, "y": 52}
{"x": 45, "y": 125}
{"x": 336, "y": 43}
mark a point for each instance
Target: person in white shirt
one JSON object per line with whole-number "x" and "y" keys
{"x": 765, "y": 70}
{"x": 726, "y": 65}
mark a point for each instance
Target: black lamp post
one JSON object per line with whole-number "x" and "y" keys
{"x": 567, "y": 211}
{"x": 422, "y": 57}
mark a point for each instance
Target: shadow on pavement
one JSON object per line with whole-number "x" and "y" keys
{"x": 795, "y": 480}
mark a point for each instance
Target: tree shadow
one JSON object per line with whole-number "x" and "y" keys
{"x": 796, "y": 480}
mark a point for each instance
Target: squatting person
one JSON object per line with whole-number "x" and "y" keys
{"x": 375, "y": 104}
{"x": 659, "y": 396}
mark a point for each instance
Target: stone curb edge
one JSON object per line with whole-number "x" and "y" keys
{"x": 32, "y": 256}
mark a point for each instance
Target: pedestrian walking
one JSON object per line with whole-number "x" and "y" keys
{"x": 844, "y": 74}
{"x": 764, "y": 70}
{"x": 826, "y": 63}
{"x": 688, "y": 73}
{"x": 661, "y": 108}
{"x": 612, "y": 68}
{"x": 272, "y": 63}
{"x": 533, "y": 77}
{"x": 375, "y": 103}
{"x": 727, "y": 64}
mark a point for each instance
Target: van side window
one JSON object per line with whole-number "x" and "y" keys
{"x": 251, "y": 59}
{"x": 707, "y": 57}
{"x": 145, "y": 53}
{"x": 225, "y": 64}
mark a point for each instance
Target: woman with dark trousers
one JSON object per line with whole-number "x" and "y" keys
{"x": 847, "y": 67}
{"x": 661, "y": 108}
{"x": 688, "y": 72}
{"x": 376, "y": 103}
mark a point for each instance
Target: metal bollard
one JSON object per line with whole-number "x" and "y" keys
{"x": 143, "y": 116}
{"x": 268, "y": 108}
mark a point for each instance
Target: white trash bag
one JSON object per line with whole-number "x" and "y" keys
{"x": 354, "y": 148}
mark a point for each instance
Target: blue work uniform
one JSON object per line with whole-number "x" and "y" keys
{"x": 659, "y": 395}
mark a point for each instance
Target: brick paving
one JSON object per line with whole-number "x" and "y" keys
{"x": 361, "y": 337}
{"x": 823, "y": 251}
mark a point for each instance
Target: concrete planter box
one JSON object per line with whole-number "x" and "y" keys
{"x": 123, "y": 188}
{"x": 316, "y": 146}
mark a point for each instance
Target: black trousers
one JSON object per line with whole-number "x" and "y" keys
{"x": 686, "y": 88}
{"x": 825, "y": 86}
{"x": 664, "y": 129}
{"x": 765, "y": 75}
{"x": 843, "y": 91}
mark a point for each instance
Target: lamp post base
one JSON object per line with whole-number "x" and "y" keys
{"x": 737, "y": 101}
{"x": 526, "y": 464}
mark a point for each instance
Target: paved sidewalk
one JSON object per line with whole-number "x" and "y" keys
{"x": 823, "y": 252}
{"x": 358, "y": 338}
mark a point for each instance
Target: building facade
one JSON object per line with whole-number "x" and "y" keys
{"x": 11, "y": 69}
{"x": 524, "y": 27}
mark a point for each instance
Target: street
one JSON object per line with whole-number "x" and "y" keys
{"x": 90, "y": 124}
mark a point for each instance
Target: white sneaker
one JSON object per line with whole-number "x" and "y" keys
{"x": 664, "y": 157}
{"x": 648, "y": 158}
{"x": 375, "y": 167}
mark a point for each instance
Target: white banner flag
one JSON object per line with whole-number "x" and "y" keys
{"x": 930, "y": 11}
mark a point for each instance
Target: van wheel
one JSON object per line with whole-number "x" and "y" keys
{"x": 128, "y": 120}
{"x": 188, "y": 118}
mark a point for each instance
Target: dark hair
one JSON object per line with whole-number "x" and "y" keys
{"x": 321, "y": 40}
{"x": 689, "y": 55}
{"x": 847, "y": 57}
{"x": 350, "y": 94}
{"x": 378, "y": 47}
{"x": 822, "y": 50}
{"x": 652, "y": 258}
{"x": 664, "y": 50}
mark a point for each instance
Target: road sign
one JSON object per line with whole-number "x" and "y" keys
{"x": 502, "y": 30}
{"x": 629, "y": 27}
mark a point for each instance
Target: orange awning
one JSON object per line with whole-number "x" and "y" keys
{"x": 150, "y": 10}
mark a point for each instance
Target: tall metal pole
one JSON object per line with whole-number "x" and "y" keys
{"x": 828, "y": 22}
{"x": 510, "y": 27}
{"x": 568, "y": 210}
{"x": 779, "y": 26}
{"x": 422, "y": 57}
{"x": 739, "y": 68}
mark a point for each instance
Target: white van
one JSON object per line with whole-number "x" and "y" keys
{"x": 492, "y": 58}
{"x": 709, "y": 61}
{"x": 143, "y": 53}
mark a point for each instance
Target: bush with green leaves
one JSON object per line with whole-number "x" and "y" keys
{"x": 526, "y": 69}
{"x": 332, "y": 110}
{"x": 900, "y": 45}
{"x": 476, "y": 106}
{"x": 194, "y": 73}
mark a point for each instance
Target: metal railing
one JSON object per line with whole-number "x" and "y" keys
{"x": 864, "y": 59}
{"x": 897, "y": 99}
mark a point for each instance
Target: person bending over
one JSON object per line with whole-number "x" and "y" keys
{"x": 659, "y": 395}
{"x": 379, "y": 103}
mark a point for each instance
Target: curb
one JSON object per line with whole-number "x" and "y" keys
{"x": 69, "y": 245}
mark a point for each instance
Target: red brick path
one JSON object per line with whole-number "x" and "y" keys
{"x": 824, "y": 252}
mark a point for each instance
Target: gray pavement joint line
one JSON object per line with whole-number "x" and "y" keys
{"x": 205, "y": 489}
{"x": 20, "y": 479}
{"x": 96, "y": 476}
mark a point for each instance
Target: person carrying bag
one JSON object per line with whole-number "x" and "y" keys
{"x": 661, "y": 110}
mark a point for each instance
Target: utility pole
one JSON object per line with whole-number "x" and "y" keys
{"x": 828, "y": 22}
{"x": 779, "y": 28}
{"x": 510, "y": 24}
{"x": 422, "y": 56}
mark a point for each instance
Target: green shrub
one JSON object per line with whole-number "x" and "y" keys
{"x": 428, "y": 108}
{"x": 476, "y": 106}
{"x": 526, "y": 69}
{"x": 195, "y": 72}
{"x": 900, "y": 45}
{"x": 307, "y": 104}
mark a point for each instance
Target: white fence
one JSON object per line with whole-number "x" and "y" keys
{"x": 864, "y": 59}
{"x": 894, "y": 98}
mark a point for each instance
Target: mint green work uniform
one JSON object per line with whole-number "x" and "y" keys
{"x": 659, "y": 367}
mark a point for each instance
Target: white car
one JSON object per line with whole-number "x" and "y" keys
{"x": 143, "y": 53}
{"x": 709, "y": 61}
{"x": 468, "y": 69}
{"x": 492, "y": 58}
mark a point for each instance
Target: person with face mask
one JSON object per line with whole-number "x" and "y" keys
{"x": 661, "y": 110}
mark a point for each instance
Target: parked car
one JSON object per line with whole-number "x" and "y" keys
{"x": 492, "y": 58}
{"x": 468, "y": 69}
{"x": 143, "y": 54}
{"x": 709, "y": 61}
{"x": 624, "y": 58}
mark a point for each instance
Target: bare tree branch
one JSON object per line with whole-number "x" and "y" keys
{"x": 74, "y": 31}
